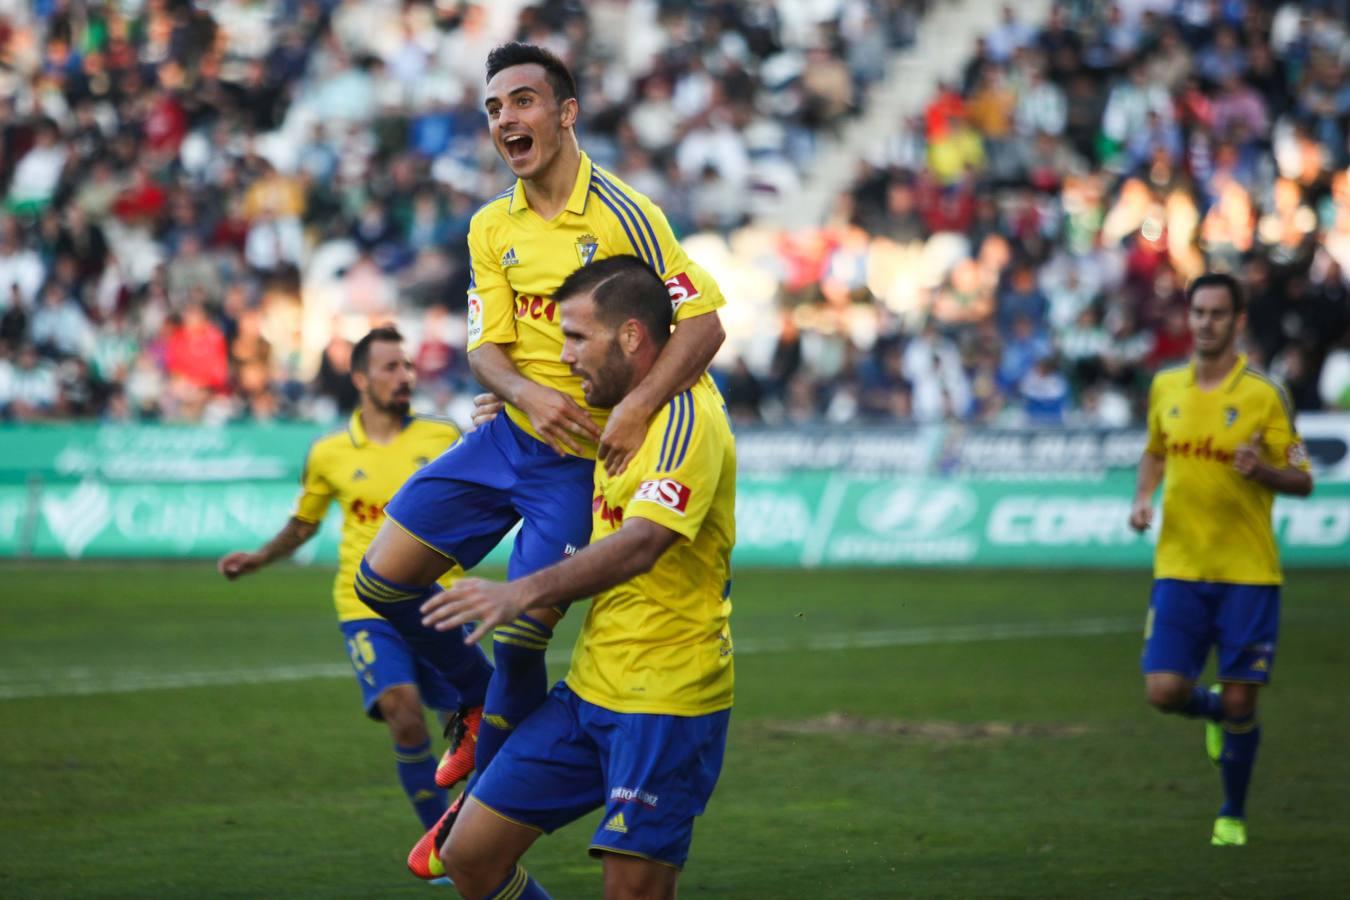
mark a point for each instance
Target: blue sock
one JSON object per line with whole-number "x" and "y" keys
{"x": 519, "y": 684}
{"x": 1240, "y": 740}
{"x": 417, "y": 774}
{"x": 466, "y": 667}
{"x": 1204, "y": 704}
{"x": 518, "y": 886}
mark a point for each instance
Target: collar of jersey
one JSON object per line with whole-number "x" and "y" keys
{"x": 580, "y": 191}
{"x": 1231, "y": 380}
{"x": 357, "y": 431}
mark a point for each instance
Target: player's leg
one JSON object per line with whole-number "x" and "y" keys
{"x": 554, "y": 501}
{"x": 1177, "y": 636}
{"x": 548, "y": 775}
{"x": 1248, "y": 625}
{"x": 386, "y": 672}
{"x": 453, "y": 510}
{"x": 459, "y": 714}
{"x": 660, "y": 772}
{"x": 629, "y": 877}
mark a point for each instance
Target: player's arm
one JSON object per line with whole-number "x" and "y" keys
{"x": 555, "y": 416}
{"x": 626, "y": 554}
{"x": 1275, "y": 456}
{"x": 315, "y": 495}
{"x": 1152, "y": 465}
{"x": 286, "y": 541}
{"x": 697, "y": 337}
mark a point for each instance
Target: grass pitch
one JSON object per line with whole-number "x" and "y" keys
{"x": 896, "y": 734}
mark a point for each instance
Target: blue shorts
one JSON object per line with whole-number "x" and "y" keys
{"x": 381, "y": 659}
{"x": 653, "y": 774}
{"x": 467, "y": 499}
{"x": 1186, "y": 618}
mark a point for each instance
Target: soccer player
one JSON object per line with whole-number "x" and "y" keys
{"x": 1221, "y": 441}
{"x": 361, "y": 467}
{"x": 534, "y": 465}
{"x": 639, "y": 724}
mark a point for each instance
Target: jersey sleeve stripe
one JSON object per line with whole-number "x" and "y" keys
{"x": 672, "y": 435}
{"x": 646, "y": 223}
{"x": 665, "y": 439}
{"x": 688, "y": 431}
{"x": 625, "y": 219}
{"x": 1279, "y": 392}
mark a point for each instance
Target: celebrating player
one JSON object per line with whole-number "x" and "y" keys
{"x": 534, "y": 464}
{"x": 639, "y": 724}
{"x": 1221, "y": 440}
{"x": 361, "y": 467}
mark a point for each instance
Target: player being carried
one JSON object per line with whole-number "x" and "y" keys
{"x": 534, "y": 465}
{"x": 1221, "y": 441}
{"x": 639, "y": 725}
{"x": 361, "y": 467}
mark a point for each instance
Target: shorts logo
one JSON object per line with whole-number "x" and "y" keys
{"x": 666, "y": 491}
{"x": 1261, "y": 665}
{"x": 681, "y": 288}
{"x": 616, "y": 824}
{"x": 630, "y": 795}
{"x": 587, "y": 245}
{"x": 475, "y": 318}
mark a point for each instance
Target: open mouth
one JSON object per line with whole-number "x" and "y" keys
{"x": 517, "y": 146}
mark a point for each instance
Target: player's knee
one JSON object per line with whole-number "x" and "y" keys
{"x": 1166, "y": 696}
{"x": 394, "y": 555}
{"x": 402, "y": 714}
{"x": 1238, "y": 701}
{"x": 629, "y": 878}
{"x": 473, "y": 875}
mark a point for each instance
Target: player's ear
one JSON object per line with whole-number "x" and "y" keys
{"x": 630, "y": 335}
{"x": 361, "y": 381}
{"x": 570, "y": 109}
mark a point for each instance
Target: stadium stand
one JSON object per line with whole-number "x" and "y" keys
{"x": 204, "y": 203}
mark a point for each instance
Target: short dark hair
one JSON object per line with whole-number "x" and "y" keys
{"x": 623, "y": 288}
{"x": 361, "y": 352}
{"x": 1219, "y": 280}
{"x": 517, "y": 53}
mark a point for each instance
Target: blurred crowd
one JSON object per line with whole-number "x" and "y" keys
{"x": 1018, "y": 253}
{"x": 206, "y": 203}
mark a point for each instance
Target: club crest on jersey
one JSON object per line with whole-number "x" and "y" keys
{"x": 666, "y": 491}
{"x": 509, "y": 258}
{"x": 1230, "y": 415}
{"x": 587, "y": 244}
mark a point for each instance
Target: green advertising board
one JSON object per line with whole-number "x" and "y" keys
{"x": 801, "y": 518}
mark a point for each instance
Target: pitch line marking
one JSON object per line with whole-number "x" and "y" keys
{"x": 84, "y": 681}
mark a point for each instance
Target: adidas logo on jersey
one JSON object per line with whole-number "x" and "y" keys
{"x": 509, "y": 258}
{"x": 616, "y": 824}
{"x": 359, "y": 475}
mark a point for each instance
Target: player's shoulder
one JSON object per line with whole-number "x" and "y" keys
{"x": 493, "y": 211}
{"x": 611, "y": 185}
{"x": 1259, "y": 386}
{"x": 1172, "y": 376}
{"x": 697, "y": 411}
{"x": 326, "y": 446}
{"x": 435, "y": 427}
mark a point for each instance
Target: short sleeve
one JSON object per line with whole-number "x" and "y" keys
{"x": 315, "y": 492}
{"x": 1157, "y": 440}
{"x": 491, "y": 298}
{"x": 678, "y": 483}
{"x": 1283, "y": 445}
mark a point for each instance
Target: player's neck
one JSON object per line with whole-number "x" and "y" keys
{"x": 1210, "y": 371}
{"x": 549, "y": 192}
{"x": 381, "y": 427}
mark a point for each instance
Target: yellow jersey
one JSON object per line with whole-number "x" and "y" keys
{"x": 1216, "y": 525}
{"x": 518, "y": 259}
{"x": 363, "y": 476}
{"x": 661, "y": 642}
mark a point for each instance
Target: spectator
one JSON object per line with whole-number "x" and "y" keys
{"x": 196, "y": 351}
{"x": 28, "y": 388}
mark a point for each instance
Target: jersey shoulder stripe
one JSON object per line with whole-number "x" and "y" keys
{"x": 677, "y": 437}
{"x": 502, "y": 196}
{"x": 1275, "y": 386}
{"x": 638, "y": 242}
{"x": 629, "y": 199}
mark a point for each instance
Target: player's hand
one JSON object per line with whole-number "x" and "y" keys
{"x": 1141, "y": 515}
{"x": 240, "y": 562}
{"x": 486, "y": 407}
{"x": 1247, "y": 459}
{"x": 624, "y": 433}
{"x": 490, "y": 603}
{"x": 558, "y": 419}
